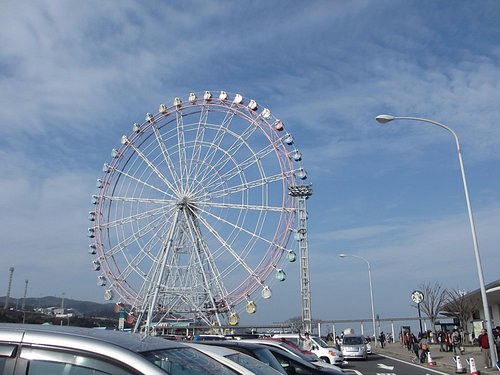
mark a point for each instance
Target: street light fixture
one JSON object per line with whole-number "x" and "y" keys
{"x": 371, "y": 289}
{"x": 383, "y": 119}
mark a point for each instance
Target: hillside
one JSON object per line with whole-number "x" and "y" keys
{"x": 86, "y": 308}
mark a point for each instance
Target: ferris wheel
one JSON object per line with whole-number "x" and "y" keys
{"x": 193, "y": 212}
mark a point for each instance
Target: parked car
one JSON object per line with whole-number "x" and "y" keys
{"x": 281, "y": 345}
{"x": 250, "y": 363}
{"x": 84, "y": 351}
{"x": 293, "y": 348}
{"x": 324, "y": 351}
{"x": 260, "y": 352}
{"x": 294, "y": 365}
{"x": 354, "y": 346}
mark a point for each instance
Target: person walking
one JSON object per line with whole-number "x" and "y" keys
{"x": 416, "y": 350}
{"x": 456, "y": 341}
{"x": 485, "y": 347}
{"x": 382, "y": 339}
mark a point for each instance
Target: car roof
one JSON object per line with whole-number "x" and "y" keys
{"x": 354, "y": 335}
{"x": 220, "y": 350}
{"x": 82, "y": 338}
{"x": 228, "y": 343}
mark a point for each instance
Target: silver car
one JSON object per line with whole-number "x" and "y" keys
{"x": 354, "y": 346}
{"x": 55, "y": 350}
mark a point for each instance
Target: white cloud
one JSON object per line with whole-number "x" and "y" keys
{"x": 75, "y": 75}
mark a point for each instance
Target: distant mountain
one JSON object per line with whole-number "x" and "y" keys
{"x": 85, "y": 307}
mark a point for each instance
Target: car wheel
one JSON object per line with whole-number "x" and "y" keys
{"x": 326, "y": 359}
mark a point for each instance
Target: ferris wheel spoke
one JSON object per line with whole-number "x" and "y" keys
{"x": 242, "y": 229}
{"x": 182, "y": 148}
{"x": 163, "y": 202}
{"x": 123, "y": 243}
{"x": 250, "y": 185}
{"x": 241, "y": 167}
{"x": 165, "y": 153}
{"x": 151, "y": 165}
{"x": 249, "y": 207}
{"x": 215, "y": 146}
{"x": 132, "y": 218}
{"x": 228, "y": 247}
{"x": 123, "y": 173}
{"x": 239, "y": 141}
{"x": 199, "y": 141}
{"x": 132, "y": 268}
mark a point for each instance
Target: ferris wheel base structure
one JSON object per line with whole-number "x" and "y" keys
{"x": 194, "y": 212}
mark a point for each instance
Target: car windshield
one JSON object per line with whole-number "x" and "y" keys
{"x": 352, "y": 341}
{"x": 254, "y": 365}
{"x": 320, "y": 342}
{"x": 186, "y": 361}
{"x": 294, "y": 350}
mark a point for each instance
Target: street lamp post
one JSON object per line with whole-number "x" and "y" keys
{"x": 383, "y": 119}
{"x": 371, "y": 289}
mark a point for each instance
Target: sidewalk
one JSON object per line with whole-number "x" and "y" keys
{"x": 443, "y": 360}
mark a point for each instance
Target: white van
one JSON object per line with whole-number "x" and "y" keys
{"x": 320, "y": 348}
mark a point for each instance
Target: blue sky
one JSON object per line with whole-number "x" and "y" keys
{"x": 75, "y": 75}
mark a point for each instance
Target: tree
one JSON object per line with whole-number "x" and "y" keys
{"x": 461, "y": 306}
{"x": 434, "y": 301}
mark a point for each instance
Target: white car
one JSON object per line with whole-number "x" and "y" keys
{"x": 324, "y": 351}
{"x": 253, "y": 365}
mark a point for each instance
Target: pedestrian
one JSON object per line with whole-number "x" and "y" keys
{"x": 307, "y": 343}
{"x": 382, "y": 339}
{"x": 456, "y": 341}
{"x": 441, "y": 338}
{"x": 408, "y": 341}
{"x": 416, "y": 349}
{"x": 449, "y": 342}
{"x": 485, "y": 347}
{"x": 424, "y": 347}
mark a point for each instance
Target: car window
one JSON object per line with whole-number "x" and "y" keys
{"x": 37, "y": 367}
{"x": 252, "y": 364}
{"x": 292, "y": 366}
{"x": 319, "y": 341}
{"x": 186, "y": 361}
{"x": 46, "y": 361}
{"x": 7, "y": 358}
{"x": 353, "y": 341}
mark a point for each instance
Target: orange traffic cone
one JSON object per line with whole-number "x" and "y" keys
{"x": 430, "y": 362}
{"x": 460, "y": 369}
{"x": 472, "y": 365}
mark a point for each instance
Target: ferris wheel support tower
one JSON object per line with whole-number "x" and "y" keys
{"x": 302, "y": 192}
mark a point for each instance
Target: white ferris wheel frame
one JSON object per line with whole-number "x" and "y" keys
{"x": 172, "y": 187}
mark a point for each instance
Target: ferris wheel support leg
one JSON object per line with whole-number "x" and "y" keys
{"x": 196, "y": 238}
{"x": 158, "y": 275}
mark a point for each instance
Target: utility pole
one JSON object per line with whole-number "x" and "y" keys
{"x": 11, "y": 269}
{"x": 25, "y": 293}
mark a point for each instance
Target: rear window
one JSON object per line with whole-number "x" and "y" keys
{"x": 356, "y": 340}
